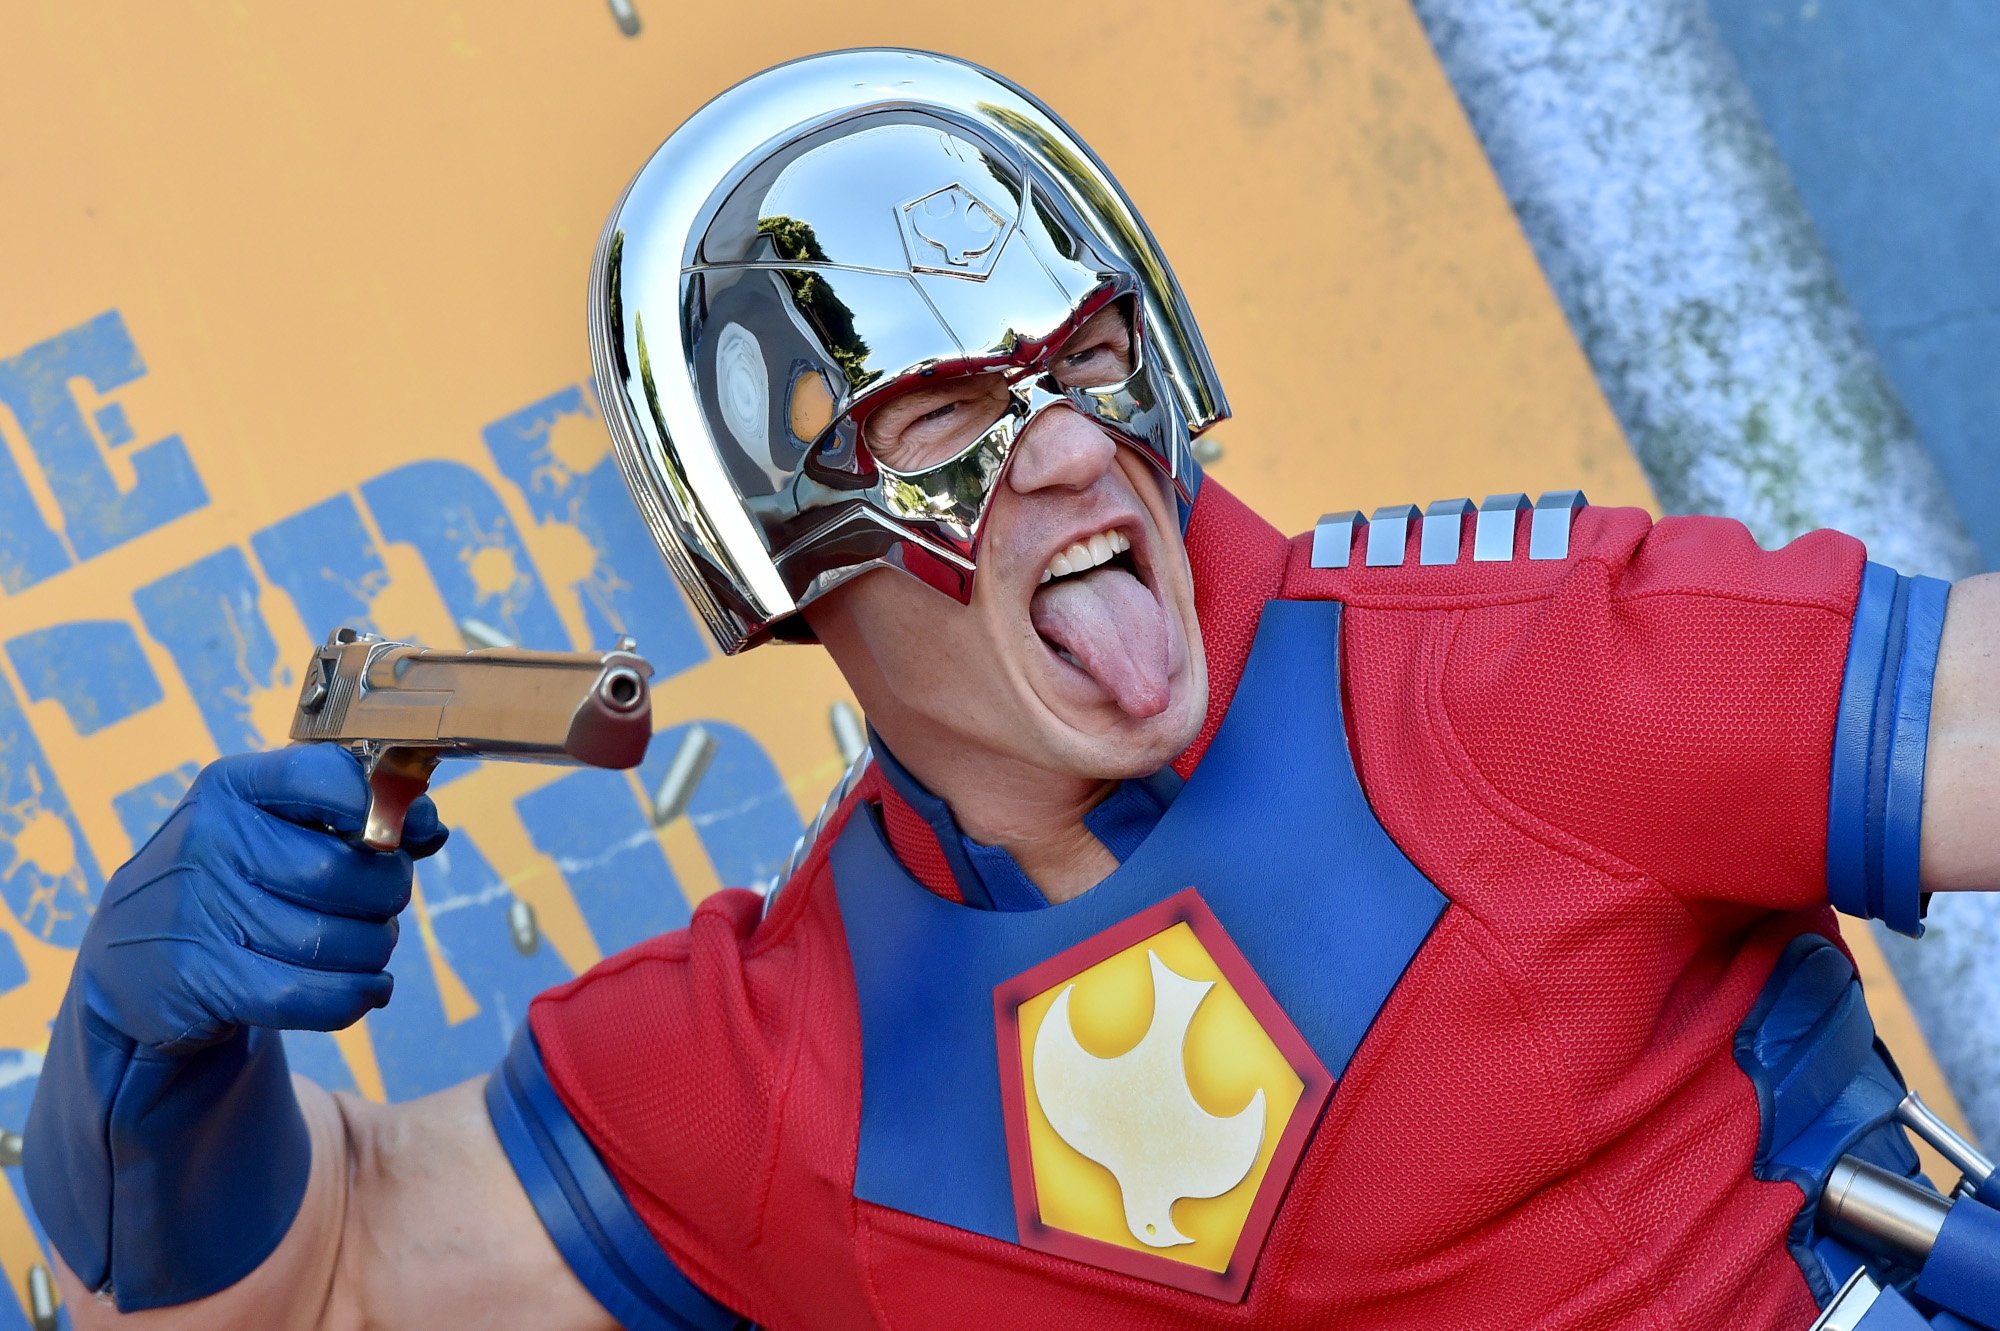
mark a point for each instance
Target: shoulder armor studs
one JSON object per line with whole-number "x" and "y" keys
{"x": 1493, "y": 541}
{"x": 1549, "y": 538}
{"x": 1389, "y": 535}
{"x": 1442, "y": 526}
{"x": 1442, "y": 522}
{"x": 1333, "y": 538}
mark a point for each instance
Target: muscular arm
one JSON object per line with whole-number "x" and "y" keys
{"x": 1961, "y": 829}
{"x": 412, "y": 1218}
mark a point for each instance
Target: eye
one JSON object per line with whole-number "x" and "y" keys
{"x": 938, "y": 413}
{"x": 1100, "y": 355}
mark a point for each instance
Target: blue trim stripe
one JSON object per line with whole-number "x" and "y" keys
{"x": 1876, "y": 787}
{"x": 583, "y": 1208}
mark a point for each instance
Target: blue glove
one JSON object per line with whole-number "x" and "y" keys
{"x": 166, "y": 1154}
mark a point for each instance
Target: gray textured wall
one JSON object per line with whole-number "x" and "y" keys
{"x": 1885, "y": 117}
{"x": 1679, "y": 249}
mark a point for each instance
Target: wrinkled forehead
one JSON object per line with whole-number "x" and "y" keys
{"x": 909, "y": 242}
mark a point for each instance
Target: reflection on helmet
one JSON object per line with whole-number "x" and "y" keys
{"x": 818, "y": 238}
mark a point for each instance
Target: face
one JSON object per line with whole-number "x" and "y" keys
{"x": 1079, "y": 652}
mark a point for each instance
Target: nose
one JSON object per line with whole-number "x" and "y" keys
{"x": 1062, "y": 449}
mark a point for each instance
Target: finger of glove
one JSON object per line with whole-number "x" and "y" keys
{"x": 280, "y": 995}
{"x": 319, "y": 785}
{"x": 304, "y": 936}
{"x": 307, "y": 867}
{"x": 424, "y": 832}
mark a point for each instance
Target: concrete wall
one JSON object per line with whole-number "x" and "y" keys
{"x": 1886, "y": 116}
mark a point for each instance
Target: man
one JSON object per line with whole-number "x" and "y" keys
{"x": 1417, "y": 924}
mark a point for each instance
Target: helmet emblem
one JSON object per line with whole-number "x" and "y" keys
{"x": 953, "y": 231}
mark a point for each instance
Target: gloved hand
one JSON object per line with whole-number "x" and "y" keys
{"x": 254, "y": 905}
{"x": 165, "y": 1151}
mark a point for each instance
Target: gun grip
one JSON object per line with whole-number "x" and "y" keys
{"x": 394, "y": 782}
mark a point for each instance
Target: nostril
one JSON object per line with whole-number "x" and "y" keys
{"x": 1060, "y": 448}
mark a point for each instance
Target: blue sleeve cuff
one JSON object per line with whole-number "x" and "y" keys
{"x": 1875, "y": 806}
{"x": 583, "y": 1208}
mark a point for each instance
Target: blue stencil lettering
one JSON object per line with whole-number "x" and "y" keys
{"x": 95, "y": 669}
{"x": 48, "y": 876}
{"x": 145, "y": 806}
{"x": 30, "y": 550}
{"x": 13, "y": 971}
{"x": 594, "y": 501}
{"x": 451, "y": 515}
{"x": 591, "y": 825}
{"x": 207, "y": 615}
{"x": 467, "y": 901}
{"x": 324, "y": 561}
{"x": 97, "y": 515}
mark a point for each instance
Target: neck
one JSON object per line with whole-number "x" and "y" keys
{"x": 1033, "y": 814}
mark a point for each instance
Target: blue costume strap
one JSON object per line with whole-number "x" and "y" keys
{"x": 1963, "y": 1270}
{"x": 1825, "y": 1088}
{"x": 1876, "y": 790}
{"x": 583, "y": 1208}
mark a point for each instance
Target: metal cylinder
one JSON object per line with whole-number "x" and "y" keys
{"x": 523, "y": 928}
{"x": 684, "y": 772}
{"x": 850, "y": 736}
{"x": 42, "y": 1301}
{"x": 1966, "y": 1158}
{"x": 1881, "y": 1212}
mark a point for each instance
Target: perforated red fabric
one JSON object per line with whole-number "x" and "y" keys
{"x": 1239, "y": 559}
{"x": 1544, "y": 1127}
{"x": 913, "y": 840}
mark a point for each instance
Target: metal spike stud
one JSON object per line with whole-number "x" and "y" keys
{"x": 1499, "y": 516}
{"x": 1443, "y": 521}
{"x": 1389, "y": 534}
{"x": 1549, "y": 538}
{"x": 1333, "y": 538}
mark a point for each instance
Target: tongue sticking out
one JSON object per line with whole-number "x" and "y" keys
{"x": 1115, "y": 629}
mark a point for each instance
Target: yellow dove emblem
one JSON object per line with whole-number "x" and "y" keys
{"x": 1136, "y": 1115}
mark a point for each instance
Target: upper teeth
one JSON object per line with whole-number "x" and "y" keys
{"x": 1086, "y": 555}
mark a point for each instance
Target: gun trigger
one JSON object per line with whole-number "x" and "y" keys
{"x": 399, "y": 775}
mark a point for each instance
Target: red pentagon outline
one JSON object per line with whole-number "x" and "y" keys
{"x": 1184, "y": 907}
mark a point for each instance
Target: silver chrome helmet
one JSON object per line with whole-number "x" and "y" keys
{"x": 819, "y": 238}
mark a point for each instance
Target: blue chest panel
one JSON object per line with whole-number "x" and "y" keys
{"x": 1272, "y": 830}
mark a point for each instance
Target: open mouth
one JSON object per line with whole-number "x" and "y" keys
{"x": 1097, "y": 613}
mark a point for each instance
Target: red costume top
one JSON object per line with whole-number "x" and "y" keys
{"x": 1562, "y": 1070}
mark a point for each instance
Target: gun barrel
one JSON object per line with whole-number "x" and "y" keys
{"x": 402, "y": 707}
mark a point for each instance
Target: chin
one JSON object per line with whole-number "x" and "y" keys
{"x": 1115, "y": 745}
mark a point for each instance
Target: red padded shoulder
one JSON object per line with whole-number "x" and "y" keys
{"x": 1238, "y": 561}
{"x": 1664, "y": 696}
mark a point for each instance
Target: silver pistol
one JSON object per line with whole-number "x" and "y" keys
{"x": 401, "y": 708}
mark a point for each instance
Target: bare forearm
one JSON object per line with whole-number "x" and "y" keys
{"x": 412, "y": 1218}
{"x": 1961, "y": 832}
